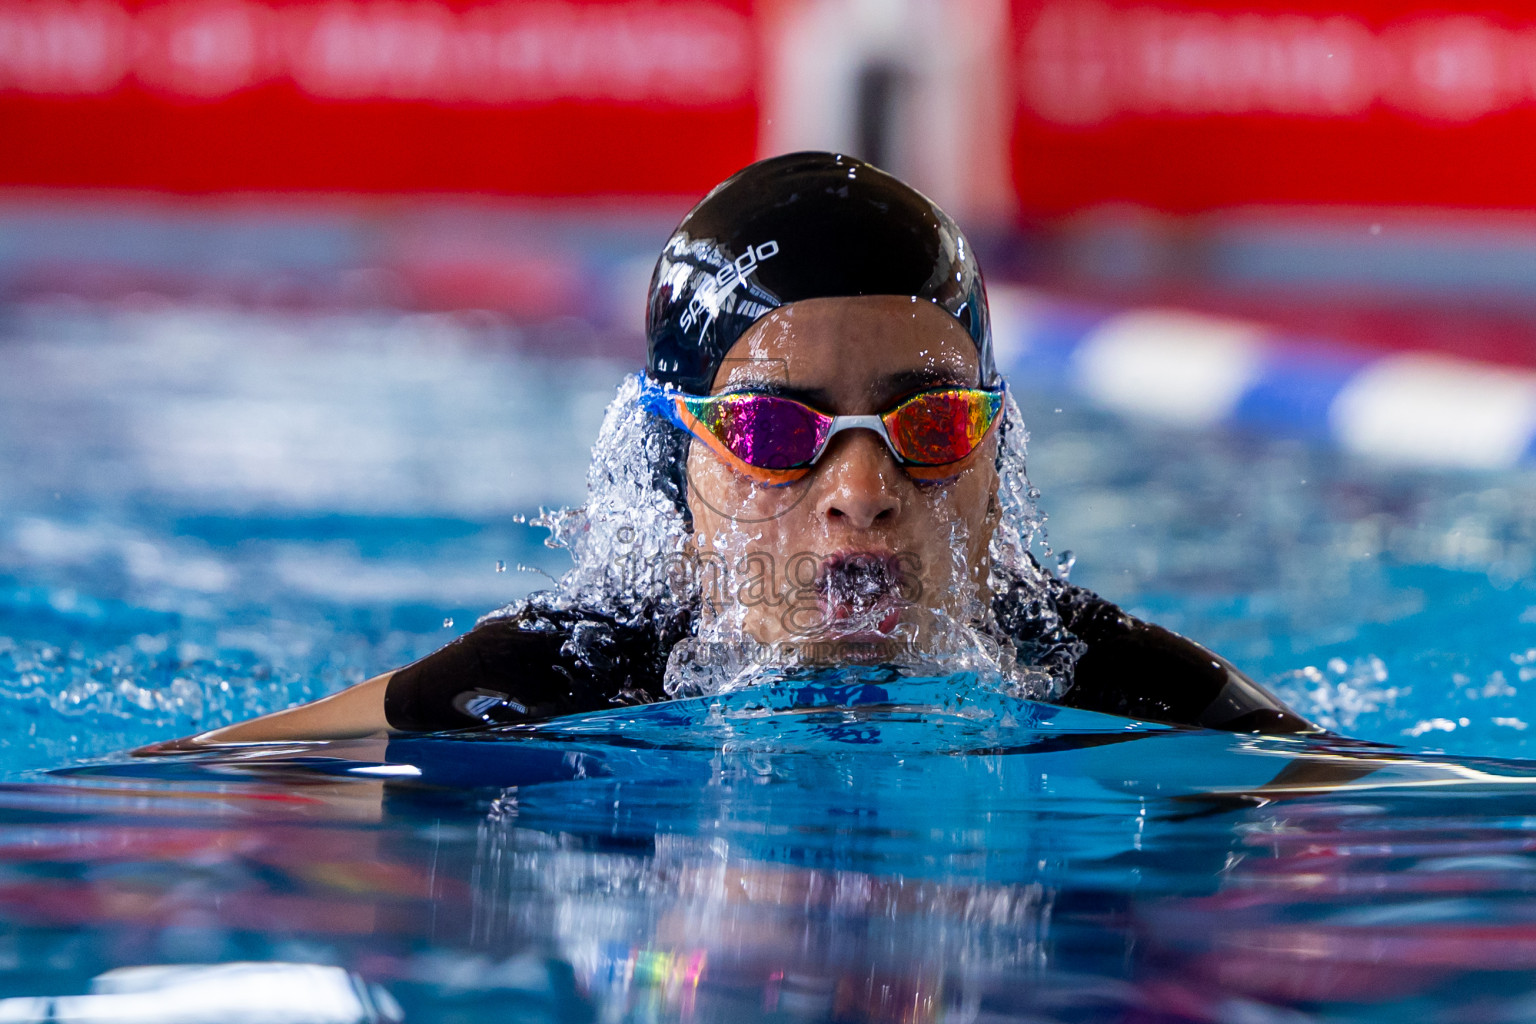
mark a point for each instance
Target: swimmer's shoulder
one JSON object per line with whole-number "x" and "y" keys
{"x": 1140, "y": 670}
{"x": 530, "y": 665}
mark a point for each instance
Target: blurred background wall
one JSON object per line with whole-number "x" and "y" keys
{"x": 1351, "y": 170}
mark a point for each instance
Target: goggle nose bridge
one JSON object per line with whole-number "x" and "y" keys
{"x": 866, "y": 422}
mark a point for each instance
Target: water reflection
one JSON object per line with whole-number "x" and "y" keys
{"x": 853, "y": 857}
{"x": 261, "y": 993}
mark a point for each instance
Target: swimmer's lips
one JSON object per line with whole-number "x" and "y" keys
{"x": 868, "y": 566}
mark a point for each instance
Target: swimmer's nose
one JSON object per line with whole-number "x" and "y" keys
{"x": 857, "y": 478}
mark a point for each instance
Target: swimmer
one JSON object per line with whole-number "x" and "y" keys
{"x": 825, "y": 424}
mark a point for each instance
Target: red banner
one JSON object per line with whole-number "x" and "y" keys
{"x": 563, "y": 98}
{"x": 1188, "y": 107}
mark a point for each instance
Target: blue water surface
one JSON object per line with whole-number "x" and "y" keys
{"x": 850, "y": 846}
{"x": 208, "y": 513}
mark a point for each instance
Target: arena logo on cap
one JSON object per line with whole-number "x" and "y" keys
{"x": 706, "y": 301}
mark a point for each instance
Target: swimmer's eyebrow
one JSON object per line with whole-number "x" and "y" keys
{"x": 900, "y": 386}
{"x": 814, "y": 397}
{"x": 891, "y": 388}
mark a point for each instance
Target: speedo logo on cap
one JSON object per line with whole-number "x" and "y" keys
{"x": 706, "y": 302}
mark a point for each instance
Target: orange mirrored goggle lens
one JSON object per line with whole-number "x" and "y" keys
{"x": 937, "y": 428}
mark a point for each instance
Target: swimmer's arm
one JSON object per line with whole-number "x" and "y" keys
{"x": 354, "y": 713}
{"x": 508, "y": 671}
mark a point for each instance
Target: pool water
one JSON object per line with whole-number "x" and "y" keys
{"x": 210, "y": 513}
{"x": 841, "y": 849}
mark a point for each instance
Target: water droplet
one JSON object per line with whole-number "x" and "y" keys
{"x": 447, "y": 623}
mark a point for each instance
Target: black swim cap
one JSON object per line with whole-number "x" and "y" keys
{"x": 802, "y": 226}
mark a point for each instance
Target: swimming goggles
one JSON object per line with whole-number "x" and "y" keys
{"x": 776, "y": 440}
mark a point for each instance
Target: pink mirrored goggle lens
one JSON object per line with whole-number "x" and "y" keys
{"x": 764, "y": 430}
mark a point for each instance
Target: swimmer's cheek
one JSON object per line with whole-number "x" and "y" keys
{"x": 934, "y": 478}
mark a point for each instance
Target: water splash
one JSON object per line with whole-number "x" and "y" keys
{"x": 1339, "y": 694}
{"x": 628, "y": 541}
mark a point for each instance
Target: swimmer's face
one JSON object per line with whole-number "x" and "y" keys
{"x": 858, "y": 555}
